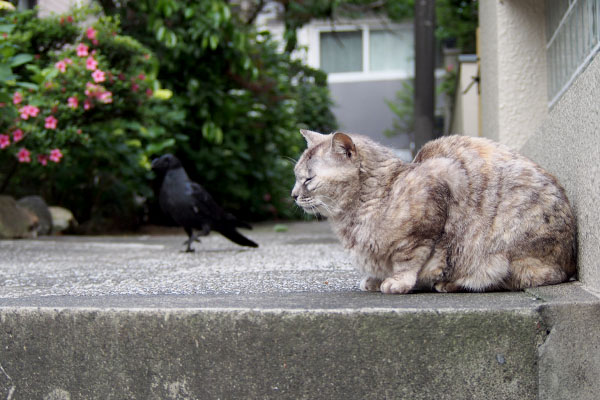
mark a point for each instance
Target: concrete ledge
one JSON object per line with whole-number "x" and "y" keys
{"x": 210, "y": 353}
{"x": 331, "y": 341}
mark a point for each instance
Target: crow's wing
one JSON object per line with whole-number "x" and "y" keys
{"x": 203, "y": 203}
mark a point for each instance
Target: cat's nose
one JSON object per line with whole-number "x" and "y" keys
{"x": 295, "y": 197}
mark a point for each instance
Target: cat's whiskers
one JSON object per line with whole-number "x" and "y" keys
{"x": 289, "y": 159}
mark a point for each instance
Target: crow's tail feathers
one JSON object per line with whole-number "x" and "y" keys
{"x": 236, "y": 222}
{"x": 236, "y": 237}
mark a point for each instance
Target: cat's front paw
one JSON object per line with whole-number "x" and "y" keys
{"x": 370, "y": 284}
{"x": 397, "y": 284}
{"x": 446, "y": 287}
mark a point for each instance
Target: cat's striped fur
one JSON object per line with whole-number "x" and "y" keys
{"x": 466, "y": 214}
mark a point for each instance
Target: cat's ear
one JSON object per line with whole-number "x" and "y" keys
{"x": 342, "y": 144}
{"x": 311, "y": 137}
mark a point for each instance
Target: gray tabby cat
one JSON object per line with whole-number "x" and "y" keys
{"x": 466, "y": 214}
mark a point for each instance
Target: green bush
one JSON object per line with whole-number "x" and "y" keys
{"x": 240, "y": 100}
{"x": 80, "y": 125}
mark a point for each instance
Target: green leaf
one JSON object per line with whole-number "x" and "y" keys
{"x": 157, "y": 148}
{"x": 226, "y": 13}
{"x": 5, "y": 73}
{"x": 160, "y": 33}
{"x": 171, "y": 39}
{"x": 214, "y": 41}
{"x": 134, "y": 143}
{"x": 280, "y": 228}
{"x": 20, "y": 59}
{"x": 28, "y": 85}
{"x": 6, "y": 28}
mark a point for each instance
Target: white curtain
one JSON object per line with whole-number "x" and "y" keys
{"x": 341, "y": 51}
{"x": 391, "y": 50}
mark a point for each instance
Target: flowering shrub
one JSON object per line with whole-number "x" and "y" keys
{"x": 81, "y": 132}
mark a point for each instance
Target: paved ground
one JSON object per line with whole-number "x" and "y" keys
{"x": 304, "y": 267}
{"x": 306, "y": 257}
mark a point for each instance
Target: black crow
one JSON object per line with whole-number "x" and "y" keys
{"x": 189, "y": 205}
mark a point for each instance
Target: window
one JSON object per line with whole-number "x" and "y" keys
{"x": 366, "y": 52}
{"x": 572, "y": 39}
{"x": 390, "y": 51}
{"x": 341, "y": 51}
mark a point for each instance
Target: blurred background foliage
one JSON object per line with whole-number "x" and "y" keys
{"x": 238, "y": 101}
{"x": 235, "y": 104}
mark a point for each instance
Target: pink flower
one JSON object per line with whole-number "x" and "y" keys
{"x": 79, "y": 131}
{"x": 24, "y": 155}
{"x": 17, "y": 135}
{"x": 141, "y": 77}
{"x": 72, "y": 102}
{"x": 55, "y": 155}
{"x": 68, "y": 61}
{"x": 82, "y": 50}
{"x": 87, "y": 104}
{"x": 2, "y": 105}
{"x": 4, "y": 141}
{"x": 28, "y": 111}
{"x": 135, "y": 87}
{"x": 50, "y": 122}
{"x": 105, "y": 97}
{"x": 91, "y": 89}
{"x": 98, "y": 76}
{"x": 91, "y": 64}
{"x": 43, "y": 159}
{"x": 61, "y": 66}
{"x": 17, "y": 98}
{"x": 90, "y": 33}
{"x": 149, "y": 92}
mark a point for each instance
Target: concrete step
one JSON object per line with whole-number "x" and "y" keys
{"x": 131, "y": 318}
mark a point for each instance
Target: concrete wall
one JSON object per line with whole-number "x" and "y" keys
{"x": 564, "y": 139}
{"x": 568, "y": 145}
{"x": 513, "y": 69}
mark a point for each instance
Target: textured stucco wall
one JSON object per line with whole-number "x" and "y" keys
{"x": 513, "y": 69}
{"x": 568, "y": 145}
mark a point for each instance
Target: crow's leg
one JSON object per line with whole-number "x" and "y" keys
{"x": 191, "y": 239}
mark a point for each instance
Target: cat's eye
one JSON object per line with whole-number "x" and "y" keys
{"x": 308, "y": 180}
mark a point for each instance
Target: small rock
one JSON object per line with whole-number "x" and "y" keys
{"x": 62, "y": 219}
{"x": 38, "y": 206}
{"x": 15, "y": 221}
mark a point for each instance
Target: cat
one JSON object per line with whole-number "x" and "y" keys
{"x": 468, "y": 214}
